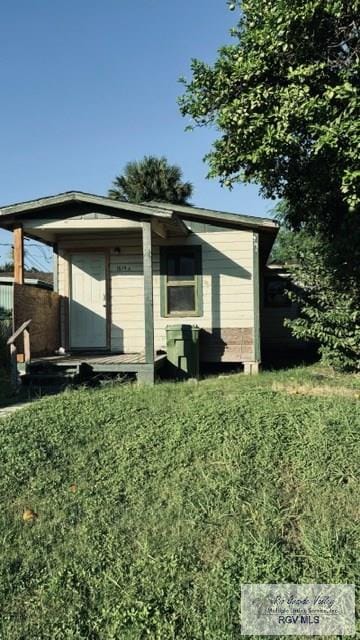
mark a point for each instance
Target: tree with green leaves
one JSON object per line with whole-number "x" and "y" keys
{"x": 328, "y": 298}
{"x": 325, "y": 286}
{"x": 151, "y": 179}
{"x": 284, "y": 97}
{"x": 290, "y": 246}
{"x": 285, "y": 100}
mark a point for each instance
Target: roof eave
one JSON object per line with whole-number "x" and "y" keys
{"x": 6, "y": 213}
{"x": 165, "y": 211}
{"x": 220, "y": 217}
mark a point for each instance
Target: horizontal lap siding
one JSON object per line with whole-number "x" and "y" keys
{"x": 227, "y": 295}
{"x": 227, "y": 292}
{"x": 62, "y": 274}
{"x": 63, "y": 290}
{"x": 127, "y": 287}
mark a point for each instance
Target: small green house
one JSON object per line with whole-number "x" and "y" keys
{"x": 124, "y": 273}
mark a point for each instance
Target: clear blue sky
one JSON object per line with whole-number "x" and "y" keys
{"x": 89, "y": 85}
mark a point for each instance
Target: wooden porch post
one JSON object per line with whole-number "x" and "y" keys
{"x": 253, "y": 366}
{"x": 148, "y": 300}
{"x": 18, "y": 236}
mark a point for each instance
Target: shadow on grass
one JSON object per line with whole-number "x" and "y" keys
{"x": 271, "y": 361}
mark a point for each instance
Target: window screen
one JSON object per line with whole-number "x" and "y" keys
{"x": 181, "y": 272}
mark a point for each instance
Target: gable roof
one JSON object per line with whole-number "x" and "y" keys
{"x": 217, "y": 217}
{"x": 79, "y": 197}
{"x": 166, "y": 211}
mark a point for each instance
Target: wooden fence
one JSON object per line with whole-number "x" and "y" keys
{"x": 42, "y": 307}
{"x": 5, "y": 333}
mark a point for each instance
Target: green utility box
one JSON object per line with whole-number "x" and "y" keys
{"x": 182, "y": 342}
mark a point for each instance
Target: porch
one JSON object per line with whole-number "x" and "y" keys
{"x": 82, "y": 315}
{"x": 124, "y": 272}
{"x": 87, "y": 364}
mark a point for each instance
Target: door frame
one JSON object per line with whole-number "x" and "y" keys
{"x": 106, "y": 253}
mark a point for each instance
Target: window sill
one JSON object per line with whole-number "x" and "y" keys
{"x": 182, "y": 314}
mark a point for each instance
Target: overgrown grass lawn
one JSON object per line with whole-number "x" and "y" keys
{"x": 147, "y": 508}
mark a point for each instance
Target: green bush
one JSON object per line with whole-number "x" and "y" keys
{"x": 326, "y": 285}
{"x": 328, "y": 277}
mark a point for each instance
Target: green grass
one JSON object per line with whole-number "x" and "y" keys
{"x": 183, "y": 492}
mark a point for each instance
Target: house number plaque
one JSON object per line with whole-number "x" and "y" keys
{"x": 124, "y": 268}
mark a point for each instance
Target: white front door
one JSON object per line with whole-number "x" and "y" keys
{"x": 88, "y": 301}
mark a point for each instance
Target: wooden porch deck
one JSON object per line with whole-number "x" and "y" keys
{"x": 103, "y": 363}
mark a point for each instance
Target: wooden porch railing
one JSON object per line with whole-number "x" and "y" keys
{"x": 24, "y": 328}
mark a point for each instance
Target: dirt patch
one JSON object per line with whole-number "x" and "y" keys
{"x": 320, "y": 390}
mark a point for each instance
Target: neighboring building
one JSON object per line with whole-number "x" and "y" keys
{"x": 123, "y": 272}
{"x": 40, "y": 279}
{"x": 277, "y": 339}
{"x": 7, "y": 298}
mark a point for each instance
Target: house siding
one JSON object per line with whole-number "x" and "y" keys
{"x": 227, "y": 322}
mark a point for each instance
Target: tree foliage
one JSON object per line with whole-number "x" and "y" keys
{"x": 151, "y": 179}
{"x": 290, "y": 246}
{"x": 325, "y": 284}
{"x": 328, "y": 297}
{"x": 285, "y": 99}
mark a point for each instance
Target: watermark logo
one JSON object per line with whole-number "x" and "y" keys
{"x": 298, "y": 609}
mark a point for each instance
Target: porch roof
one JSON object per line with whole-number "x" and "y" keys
{"x": 212, "y": 216}
{"x": 54, "y": 207}
{"x": 165, "y": 217}
{"x": 12, "y": 213}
